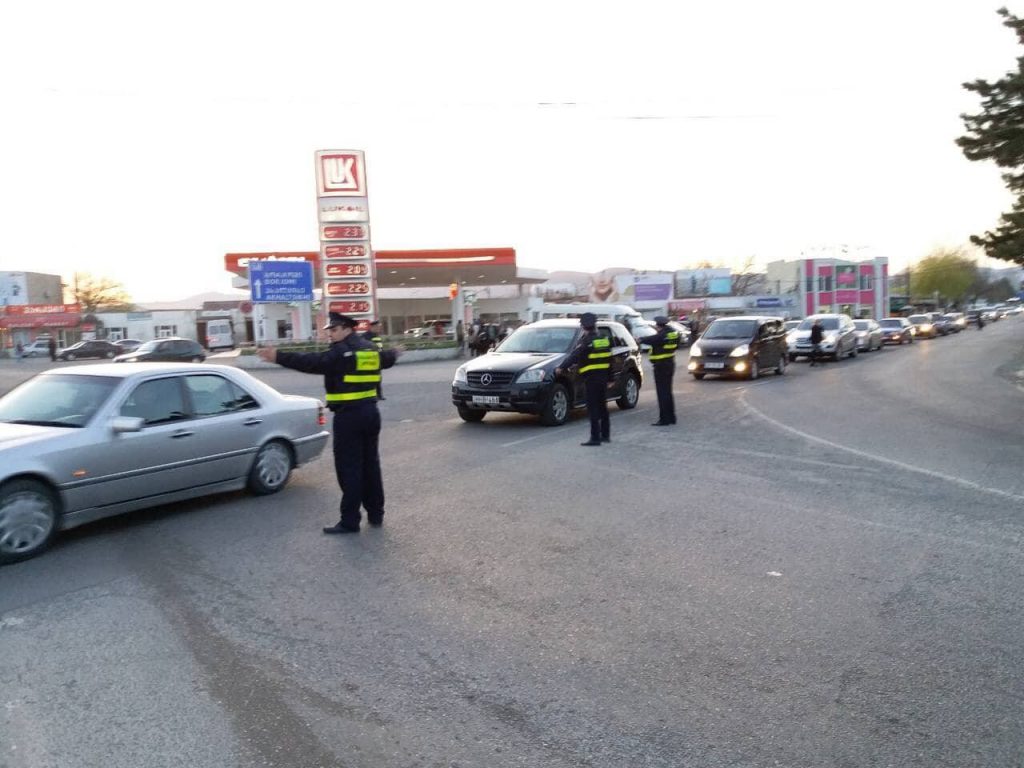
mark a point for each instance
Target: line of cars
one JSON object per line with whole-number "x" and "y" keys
{"x": 165, "y": 350}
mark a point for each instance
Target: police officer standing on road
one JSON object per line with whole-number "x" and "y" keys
{"x": 593, "y": 354}
{"x": 663, "y": 360}
{"x": 374, "y": 337}
{"x": 351, "y": 370}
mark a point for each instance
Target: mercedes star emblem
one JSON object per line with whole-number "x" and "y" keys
{"x": 486, "y": 379}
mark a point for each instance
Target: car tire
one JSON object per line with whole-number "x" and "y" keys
{"x": 556, "y": 409}
{"x": 755, "y": 370}
{"x": 271, "y": 468}
{"x": 792, "y": 358}
{"x": 780, "y": 369}
{"x": 854, "y": 352}
{"x": 699, "y": 376}
{"x": 197, "y": 359}
{"x": 630, "y": 393}
{"x": 28, "y": 519}
{"x": 471, "y": 414}
{"x": 110, "y": 355}
{"x": 70, "y": 357}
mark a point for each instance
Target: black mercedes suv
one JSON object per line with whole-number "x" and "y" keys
{"x": 519, "y": 375}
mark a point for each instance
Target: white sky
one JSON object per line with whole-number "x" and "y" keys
{"x": 141, "y": 141}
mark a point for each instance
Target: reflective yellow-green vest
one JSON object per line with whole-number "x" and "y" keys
{"x": 598, "y": 356}
{"x": 360, "y": 379}
{"x": 665, "y": 350}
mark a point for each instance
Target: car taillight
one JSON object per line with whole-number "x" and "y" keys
{"x": 321, "y": 417}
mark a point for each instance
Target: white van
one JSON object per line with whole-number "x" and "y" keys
{"x": 219, "y": 335}
{"x": 620, "y": 313}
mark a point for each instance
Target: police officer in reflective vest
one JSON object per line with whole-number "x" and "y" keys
{"x": 593, "y": 354}
{"x": 663, "y": 360}
{"x": 373, "y": 336}
{"x": 351, "y": 369}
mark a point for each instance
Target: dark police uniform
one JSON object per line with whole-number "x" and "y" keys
{"x": 593, "y": 354}
{"x": 351, "y": 370}
{"x": 663, "y": 360}
{"x": 375, "y": 338}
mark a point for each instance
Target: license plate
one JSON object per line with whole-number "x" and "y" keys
{"x": 714, "y": 366}
{"x": 485, "y": 399}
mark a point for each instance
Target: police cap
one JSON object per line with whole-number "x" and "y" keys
{"x": 588, "y": 320}
{"x": 336, "y": 318}
{"x": 661, "y": 320}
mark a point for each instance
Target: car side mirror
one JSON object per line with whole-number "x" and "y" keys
{"x": 121, "y": 424}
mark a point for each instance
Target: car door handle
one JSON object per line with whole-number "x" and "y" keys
{"x": 181, "y": 433}
{"x": 252, "y": 422}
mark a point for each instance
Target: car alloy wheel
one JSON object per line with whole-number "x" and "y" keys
{"x": 271, "y": 469}
{"x": 557, "y": 409}
{"x": 28, "y": 519}
{"x": 630, "y": 393}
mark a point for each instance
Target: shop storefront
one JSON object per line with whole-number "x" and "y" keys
{"x": 23, "y": 323}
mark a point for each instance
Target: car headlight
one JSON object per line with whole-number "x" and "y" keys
{"x": 926, "y": 327}
{"x": 830, "y": 338}
{"x": 531, "y": 376}
{"x": 696, "y": 351}
{"x": 740, "y": 351}
{"x": 460, "y": 375}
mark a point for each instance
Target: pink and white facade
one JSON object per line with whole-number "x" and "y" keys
{"x": 856, "y": 288}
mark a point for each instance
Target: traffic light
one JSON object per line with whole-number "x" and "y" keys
{"x": 453, "y": 291}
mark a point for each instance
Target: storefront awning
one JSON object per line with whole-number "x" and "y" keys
{"x": 51, "y": 320}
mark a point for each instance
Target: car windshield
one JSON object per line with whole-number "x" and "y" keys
{"x": 919, "y": 319}
{"x": 531, "y": 339}
{"x": 791, "y": 324}
{"x": 890, "y": 323}
{"x": 56, "y": 401}
{"x": 827, "y": 323}
{"x": 148, "y": 346}
{"x": 862, "y": 325}
{"x": 730, "y": 329}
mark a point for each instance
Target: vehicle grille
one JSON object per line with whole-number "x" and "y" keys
{"x": 497, "y": 379}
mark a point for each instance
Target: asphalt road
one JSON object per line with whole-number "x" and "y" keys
{"x": 820, "y": 569}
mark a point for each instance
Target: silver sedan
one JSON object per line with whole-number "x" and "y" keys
{"x": 86, "y": 442}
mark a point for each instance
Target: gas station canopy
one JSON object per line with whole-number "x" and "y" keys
{"x": 418, "y": 269}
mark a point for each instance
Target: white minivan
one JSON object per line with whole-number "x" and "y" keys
{"x": 620, "y": 313}
{"x": 219, "y": 335}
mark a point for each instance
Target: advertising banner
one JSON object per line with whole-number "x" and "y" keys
{"x": 703, "y": 282}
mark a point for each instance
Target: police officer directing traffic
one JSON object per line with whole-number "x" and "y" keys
{"x": 373, "y": 335}
{"x": 664, "y": 344}
{"x": 593, "y": 354}
{"x": 351, "y": 369}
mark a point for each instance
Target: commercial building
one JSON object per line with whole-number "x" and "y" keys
{"x": 856, "y": 288}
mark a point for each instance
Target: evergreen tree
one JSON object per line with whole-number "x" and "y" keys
{"x": 997, "y": 133}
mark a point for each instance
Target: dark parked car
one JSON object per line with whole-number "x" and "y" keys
{"x": 869, "y": 335}
{"x": 86, "y": 442}
{"x": 165, "y": 351}
{"x": 519, "y": 375}
{"x": 739, "y": 346}
{"x": 896, "y": 330}
{"x": 840, "y": 337}
{"x": 942, "y": 324}
{"x": 91, "y": 348}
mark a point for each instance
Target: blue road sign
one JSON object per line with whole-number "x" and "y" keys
{"x": 281, "y": 281}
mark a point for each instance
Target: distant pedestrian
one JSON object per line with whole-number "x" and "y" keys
{"x": 817, "y": 336}
{"x": 52, "y": 346}
{"x": 663, "y": 360}
{"x": 19, "y": 351}
{"x": 593, "y": 354}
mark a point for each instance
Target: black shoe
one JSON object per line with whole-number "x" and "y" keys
{"x": 661, "y": 423}
{"x": 591, "y": 442}
{"x": 339, "y": 528}
{"x": 375, "y": 522}
{"x": 606, "y": 439}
